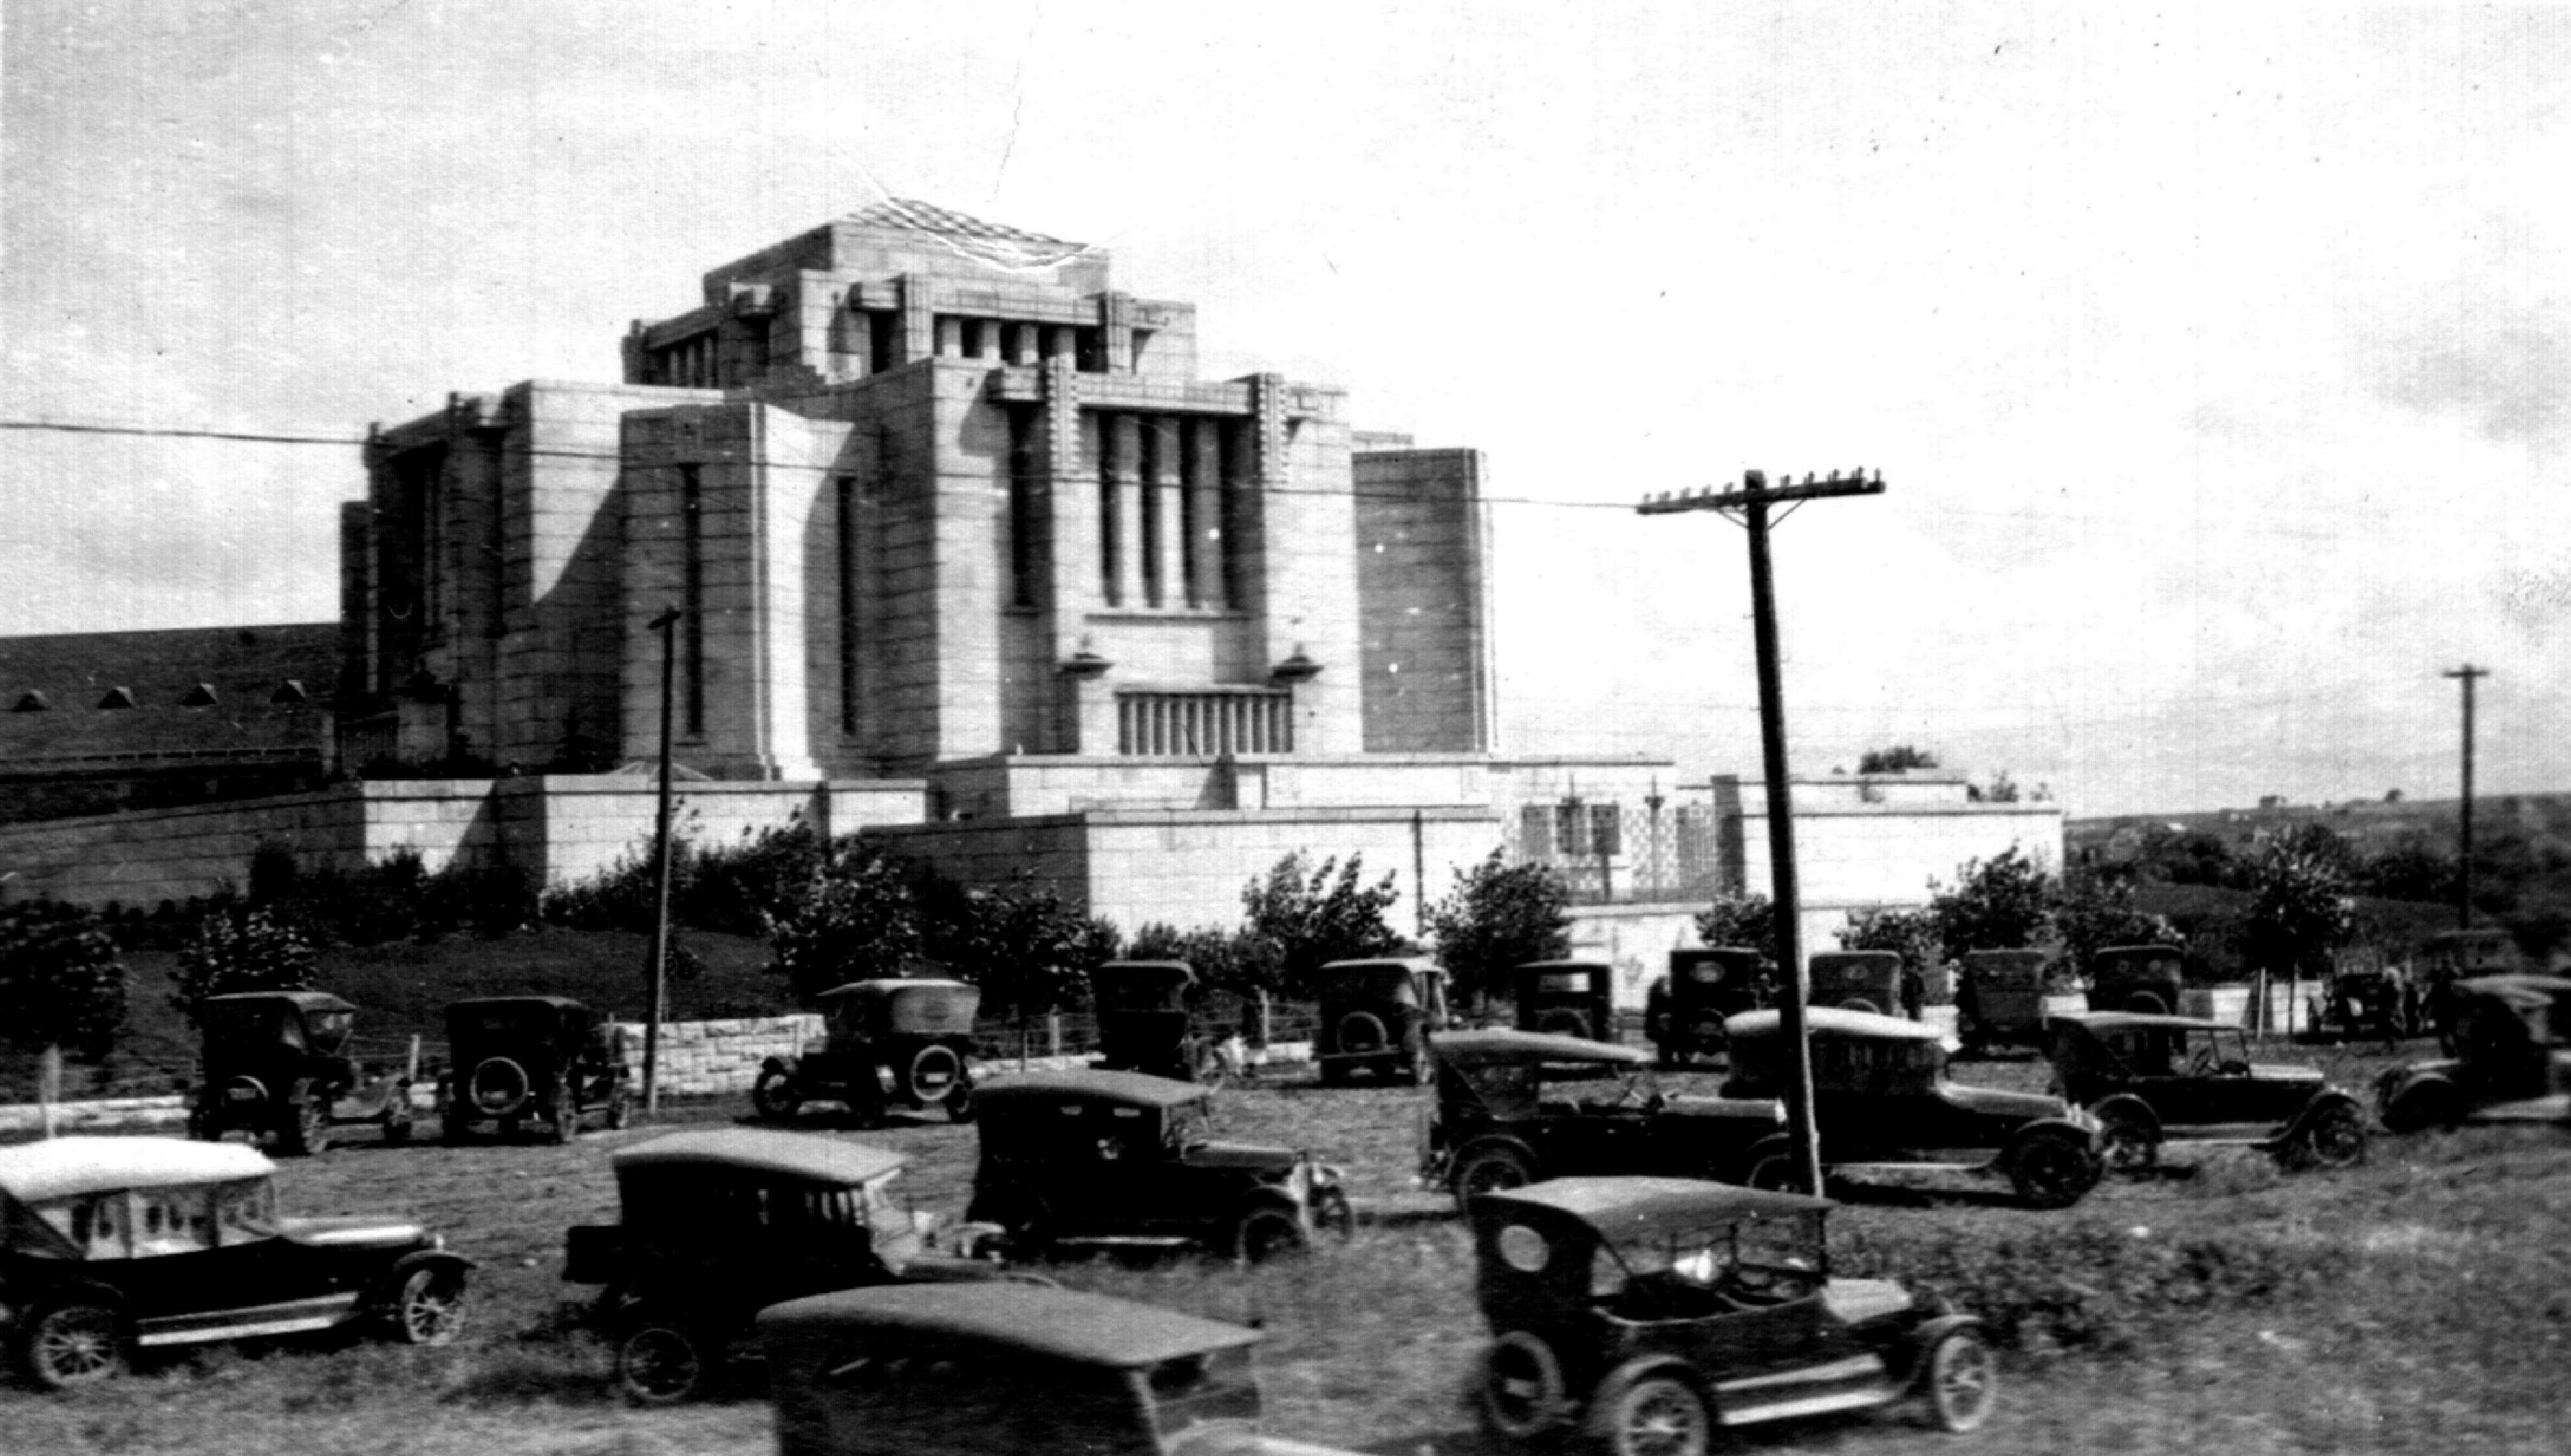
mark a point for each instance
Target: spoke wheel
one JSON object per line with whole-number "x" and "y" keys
{"x": 431, "y": 1310}
{"x": 2053, "y": 1172}
{"x": 1962, "y": 1381}
{"x": 659, "y": 1364}
{"x": 1488, "y": 1171}
{"x": 77, "y": 1344}
{"x": 2127, "y": 1143}
{"x": 1333, "y": 1215}
{"x": 1650, "y": 1416}
{"x": 1521, "y": 1395}
{"x": 1265, "y": 1233}
{"x": 2336, "y": 1139}
{"x": 773, "y": 1094}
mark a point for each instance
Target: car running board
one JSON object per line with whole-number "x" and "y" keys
{"x": 2553, "y": 1109}
{"x": 293, "y": 1318}
{"x": 1126, "y": 1240}
{"x": 1854, "y": 1383}
{"x": 1893, "y": 1170}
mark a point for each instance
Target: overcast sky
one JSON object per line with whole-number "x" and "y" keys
{"x": 2218, "y": 367}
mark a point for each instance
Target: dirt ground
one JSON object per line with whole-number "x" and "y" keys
{"x": 2419, "y": 1301}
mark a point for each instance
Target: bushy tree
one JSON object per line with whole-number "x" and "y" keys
{"x": 2000, "y": 903}
{"x": 1223, "y": 960}
{"x": 1500, "y": 915}
{"x": 1028, "y": 948}
{"x": 2093, "y": 913}
{"x": 62, "y": 984}
{"x": 2409, "y": 870}
{"x": 2299, "y": 911}
{"x": 851, "y": 918}
{"x": 2173, "y": 854}
{"x": 1742, "y": 921}
{"x": 1899, "y": 758}
{"x": 1910, "y": 933}
{"x": 242, "y": 948}
{"x": 1316, "y": 915}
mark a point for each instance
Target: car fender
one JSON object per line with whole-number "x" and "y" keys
{"x": 2041, "y": 1128}
{"x": 388, "y": 1286}
{"x": 791, "y": 1065}
{"x": 1519, "y": 1146}
{"x": 2125, "y": 1105}
{"x": 2322, "y": 1102}
{"x": 2406, "y": 1081}
{"x": 1924, "y": 1337}
{"x": 1675, "y": 1367}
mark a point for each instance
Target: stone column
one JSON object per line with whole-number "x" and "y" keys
{"x": 1022, "y": 342}
{"x": 1062, "y": 341}
{"x": 918, "y": 322}
{"x": 950, "y": 337}
{"x": 987, "y": 340}
{"x": 1166, "y": 482}
{"x": 1122, "y": 476}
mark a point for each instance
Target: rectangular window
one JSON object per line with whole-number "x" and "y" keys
{"x": 1191, "y": 522}
{"x": 691, "y": 623}
{"x": 1606, "y": 829}
{"x": 1148, "y": 481}
{"x": 1535, "y": 832}
{"x": 1110, "y": 547}
{"x": 1026, "y": 523}
{"x": 883, "y": 339}
{"x": 1230, "y": 509}
{"x": 847, "y": 544}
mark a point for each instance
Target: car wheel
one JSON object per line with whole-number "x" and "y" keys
{"x": 1773, "y": 1166}
{"x": 774, "y": 1096}
{"x": 1334, "y": 1074}
{"x": 430, "y": 1307}
{"x": 2147, "y": 1003}
{"x": 1520, "y": 1394}
{"x": 306, "y": 1125}
{"x": 499, "y": 1085}
{"x": 1653, "y": 1414}
{"x": 2335, "y": 1138}
{"x": 1267, "y": 1231}
{"x": 1962, "y": 1381}
{"x": 2421, "y": 1105}
{"x": 2052, "y": 1172}
{"x": 959, "y": 1103}
{"x": 201, "y": 1126}
{"x": 934, "y": 1070}
{"x": 75, "y": 1345}
{"x": 1488, "y": 1171}
{"x": 659, "y": 1363}
{"x": 1333, "y": 1215}
{"x": 456, "y": 1127}
{"x": 2128, "y": 1144}
{"x": 1362, "y": 1032}
{"x": 620, "y": 1110}
{"x": 1861, "y": 1003}
{"x": 397, "y": 1116}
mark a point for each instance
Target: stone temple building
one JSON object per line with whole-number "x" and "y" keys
{"x": 929, "y": 493}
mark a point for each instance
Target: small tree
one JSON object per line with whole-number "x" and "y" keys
{"x": 242, "y": 949}
{"x": 1316, "y": 916}
{"x": 2300, "y": 910}
{"x": 2094, "y": 913}
{"x": 851, "y": 918}
{"x": 1910, "y": 933}
{"x": 1028, "y": 948}
{"x": 1742, "y": 921}
{"x": 1500, "y": 915}
{"x": 2000, "y": 903}
{"x": 62, "y": 984}
{"x": 1223, "y": 960}
{"x": 1899, "y": 758}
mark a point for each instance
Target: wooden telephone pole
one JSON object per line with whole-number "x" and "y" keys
{"x": 1749, "y": 504}
{"x": 2464, "y": 848}
{"x": 656, "y": 972}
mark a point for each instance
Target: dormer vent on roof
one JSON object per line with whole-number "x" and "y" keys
{"x": 201, "y": 695}
{"x": 992, "y": 242}
{"x": 33, "y": 702}
{"x": 117, "y": 698}
{"x": 290, "y": 690}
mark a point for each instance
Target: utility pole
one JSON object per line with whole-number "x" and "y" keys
{"x": 1749, "y": 504}
{"x": 2465, "y": 853}
{"x": 656, "y": 969}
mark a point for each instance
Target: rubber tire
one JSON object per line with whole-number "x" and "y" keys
{"x": 2335, "y": 1138}
{"x": 397, "y": 1118}
{"x": 1770, "y": 1167}
{"x": 1861, "y": 1003}
{"x": 305, "y": 1129}
{"x": 659, "y": 1362}
{"x": 1362, "y": 1033}
{"x": 456, "y": 1127}
{"x": 1654, "y": 1413}
{"x": 500, "y": 1067}
{"x": 429, "y": 1310}
{"x": 943, "y": 1063}
{"x": 2421, "y": 1105}
{"x": 1334, "y": 1074}
{"x": 1333, "y": 1215}
{"x": 620, "y": 1110}
{"x": 1519, "y": 1359}
{"x": 1265, "y": 1233}
{"x": 72, "y": 1345}
{"x": 2127, "y": 1145}
{"x": 1559, "y": 1023}
{"x": 2049, "y": 1172}
{"x": 959, "y": 1103}
{"x": 1486, "y": 1171}
{"x": 1960, "y": 1381}
{"x": 774, "y": 1096}
{"x": 2147, "y": 1003}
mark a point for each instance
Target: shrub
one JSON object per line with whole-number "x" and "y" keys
{"x": 1316, "y": 915}
{"x": 851, "y": 918}
{"x": 241, "y": 949}
{"x": 1500, "y": 915}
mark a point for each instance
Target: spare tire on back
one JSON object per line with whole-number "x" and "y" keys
{"x": 1561, "y": 1023}
{"x": 498, "y": 1086}
{"x": 1362, "y": 1032}
{"x": 932, "y": 1073}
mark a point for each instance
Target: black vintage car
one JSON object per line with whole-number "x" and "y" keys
{"x": 1650, "y": 1311}
{"x": 1684, "y": 1011}
{"x": 1567, "y": 999}
{"x": 1008, "y": 1369}
{"x": 2513, "y": 1061}
{"x": 518, "y": 1059}
{"x": 1999, "y": 999}
{"x": 720, "y": 1223}
{"x": 921, "y": 1032}
{"x": 1375, "y": 1018}
{"x": 277, "y": 1065}
{"x": 113, "y": 1244}
{"x": 1855, "y": 980}
{"x": 2155, "y": 1081}
{"x": 2364, "y": 1002}
{"x": 1147, "y": 1022}
{"x": 1118, "y": 1160}
{"x": 1882, "y": 1105}
{"x": 2138, "y": 978}
{"x": 1514, "y": 1106}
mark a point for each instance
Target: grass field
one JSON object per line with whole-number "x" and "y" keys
{"x": 2420, "y": 1301}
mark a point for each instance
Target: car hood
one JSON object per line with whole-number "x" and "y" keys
{"x": 355, "y": 1231}
{"x": 1992, "y": 1101}
{"x": 2285, "y": 1071}
{"x": 1760, "y": 1108}
{"x": 1262, "y": 1156}
{"x": 1854, "y": 1301}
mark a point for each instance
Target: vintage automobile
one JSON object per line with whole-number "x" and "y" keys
{"x": 2141, "y": 978}
{"x": 1567, "y": 999}
{"x": 1684, "y": 1011}
{"x": 1376, "y": 1017}
{"x": 1999, "y": 1000}
{"x": 1652, "y": 1312}
{"x": 1147, "y": 1022}
{"x": 516, "y": 1059}
{"x": 1883, "y": 1106}
{"x": 919, "y": 1030}
{"x": 2513, "y": 1061}
{"x": 1514, "y": 1106}
{"x": 1007, "y": 1369}
{"x": 108, "y": 1245}
{"x": 2452, "y": 956}
{"x": 1118, "y": 1160}
{"x": 277, "y": 1064}
{"x": 2361, "y": 1002}
{"x": 1855, "y": 980}
{"x": 2155, "y": 1081}
{"x": 716, "y": 1224}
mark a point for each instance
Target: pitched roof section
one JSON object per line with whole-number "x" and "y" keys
{"x": 992, "y": 242}
{"x": 190, "y": 694}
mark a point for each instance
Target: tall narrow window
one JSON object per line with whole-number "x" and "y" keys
{"x": 692, "y": 626}
{"x": 1231, "y": 509}
{"x": 1148, "y": 477}
{"x": 1111, "y": 574}
{"x": 1191, "y": 522}
{"x": 847, "y": 564}
{"x": 1025, "y": 525}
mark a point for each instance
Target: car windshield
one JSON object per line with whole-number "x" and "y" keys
{"x": 1598, "y": 1089}
{"x": 330, "y": 1030}
{"x": 1759, "y": 1249}
{"x": 1187, "y": 1125}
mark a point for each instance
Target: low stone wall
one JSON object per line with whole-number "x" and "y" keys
{"x": 711, "y": 1058}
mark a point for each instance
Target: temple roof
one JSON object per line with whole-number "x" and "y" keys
{"x": 993, "y": 241}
